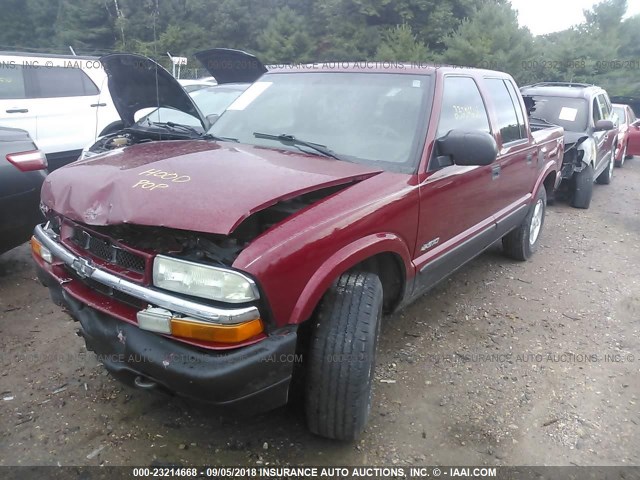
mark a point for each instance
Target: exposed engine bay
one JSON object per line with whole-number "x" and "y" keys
{"x": 131, "y": 136}
{"x": 218, "y": 250}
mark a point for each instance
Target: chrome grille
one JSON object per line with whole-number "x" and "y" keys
{"x": 107, "y": 251}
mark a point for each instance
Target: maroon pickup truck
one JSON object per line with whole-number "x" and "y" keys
{"x": 222, "y": 266}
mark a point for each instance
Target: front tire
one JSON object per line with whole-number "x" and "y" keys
{"x": 582, "y": 188}
{"x": 522, "y": 242}
{"x": 342, "y": 357}
{"x": 620, "y": 163}
{"x": 605, "y": 177}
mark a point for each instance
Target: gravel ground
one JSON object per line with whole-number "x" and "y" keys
{"x": 504, "y": 363}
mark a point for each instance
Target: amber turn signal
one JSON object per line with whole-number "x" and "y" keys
{"x": 40, "y": 250}
{"x": 197, "y": 330}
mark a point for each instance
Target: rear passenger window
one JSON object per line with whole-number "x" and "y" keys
{"x": 49, "y": 82}
{"x": 462, "y": 107}
{"x": 11, "y": 81}
{"x": 509, "y": 123}
{"x": 519, "y": 112}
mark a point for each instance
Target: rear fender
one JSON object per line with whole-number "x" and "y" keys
{"x": 549, "y": 167}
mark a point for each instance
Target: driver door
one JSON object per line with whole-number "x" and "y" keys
{"x": 456, "y": 213}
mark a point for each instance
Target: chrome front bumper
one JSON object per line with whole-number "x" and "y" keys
{"x": 85, "y": 268}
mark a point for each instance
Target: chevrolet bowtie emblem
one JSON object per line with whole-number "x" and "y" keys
{"x": 82, "y": 267}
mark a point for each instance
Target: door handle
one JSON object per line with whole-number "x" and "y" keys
{"x": 17, "y": 110}
{"x": 495, "y": 172}
{"x": 529, "y": 158}
{"x": 98, "y": 105}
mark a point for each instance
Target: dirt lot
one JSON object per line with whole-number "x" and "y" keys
{"x": 505, "y": 363}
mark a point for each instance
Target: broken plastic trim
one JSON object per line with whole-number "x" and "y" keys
{"x": 86, "y": 269}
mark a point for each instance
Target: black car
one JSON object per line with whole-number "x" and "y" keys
{"x": 590, "y": 141}
{"x": 22, "y": 170}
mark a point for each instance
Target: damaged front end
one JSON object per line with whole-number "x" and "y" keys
{"x": 578, "y": 154}
{"x": 133, "y": 290}
{"x": 206, "y": 349}
{"x": 150, "y": 254}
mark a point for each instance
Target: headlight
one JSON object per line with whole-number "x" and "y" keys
{"x": 588, "y": 147}
{"x": 203, "y": 281}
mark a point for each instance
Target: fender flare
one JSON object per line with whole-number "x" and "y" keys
{"x": 550, "y": 166}
{"x": 341, "y": 261}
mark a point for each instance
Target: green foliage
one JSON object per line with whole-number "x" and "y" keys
{"x": 603, "y": 49}
{"x": 399, "y": 44}
{"x": 490, "y": 38}
{"x": 285, "y": 39}
{"x": 86, "y": 25}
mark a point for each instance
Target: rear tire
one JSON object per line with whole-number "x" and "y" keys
{"x": 522, "y": 242}
{"x": 342, "y": 357}
{"x": 582, "y": 188}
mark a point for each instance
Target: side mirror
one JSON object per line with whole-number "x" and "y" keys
{"x": 604, "y": 125}
{"x": 468, "y": 147}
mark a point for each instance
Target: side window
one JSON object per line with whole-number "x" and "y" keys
{"x": 516, "y": 101}
{"x": 51, "y": 82}
{"x": 596, "y": 111}
{"x": 631, "y": 115}
{"x": 462, "y": 107}
{"x": 604, "y": 106}
{"x": 505, "y": 110}
{"x": 609, "y": 105}
{"x": 11, "y": 82}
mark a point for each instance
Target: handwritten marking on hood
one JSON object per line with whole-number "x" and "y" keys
{"x": 154, "y": 172}
{"x": 147, "y": 185}
{"x": 172, "y": 176}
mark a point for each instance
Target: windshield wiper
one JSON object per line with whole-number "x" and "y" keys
{"x": 541, "y": 120}
{"x": 291, "y": 140}
{"x": 210, "y": 136}
{"x": 178, "y": 127}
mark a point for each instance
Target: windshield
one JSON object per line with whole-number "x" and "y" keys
{"x": 619, "y": 111}
{"x": 570, "y": 113}
{"x": 164, "y": 114}
{"x": 361, "y": 117}
{"x": 214, "y": 100}
{"x": 210, "y": 101}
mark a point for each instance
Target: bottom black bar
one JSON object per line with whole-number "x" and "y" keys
{"x": 322, "y": 472}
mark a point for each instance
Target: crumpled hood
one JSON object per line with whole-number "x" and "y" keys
{"x": 190, "y": 185}
{"x": 571, "y": 138}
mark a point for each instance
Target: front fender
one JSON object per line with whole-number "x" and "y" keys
{"x": 588, "y": 146}
{"x": 343, "y": 260}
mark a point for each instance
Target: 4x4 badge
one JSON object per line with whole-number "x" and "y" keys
{"x": 429, "y": 244}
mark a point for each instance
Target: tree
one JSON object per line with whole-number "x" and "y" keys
{"x": 86, "y": 25}
{"x": 606, "y": 16}
{"x": 400, "y": 44}
{"x": 490, "y": 38}
{"x": 285, "y": 39}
